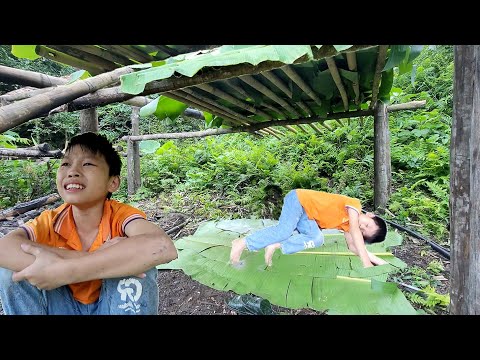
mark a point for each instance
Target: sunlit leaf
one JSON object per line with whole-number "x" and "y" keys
{"x": 25, "y": 51}
{"x": 342, "y": 47}
{"x": 149, "y": 146}
{"x": 189, "y": 65}
{"x": 80, "y": 74}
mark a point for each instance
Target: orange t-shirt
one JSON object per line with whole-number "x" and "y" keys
{"x": 57, "y": 228}
{"x": 328, "y": 210}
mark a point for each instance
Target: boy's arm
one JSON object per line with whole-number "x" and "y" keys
{"x": 355, "y": 240}
{"x": 375, "y": 259}
{"x": 147, "y": 245}
{"x": 12, "y": 257}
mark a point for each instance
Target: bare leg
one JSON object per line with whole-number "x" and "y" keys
{"x": 238, "y": 245}
{"x": 269, "y": 251}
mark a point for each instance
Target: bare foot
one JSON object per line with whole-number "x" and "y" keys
{"x": 238, "y": 245}
{"x": 269, "y": 250}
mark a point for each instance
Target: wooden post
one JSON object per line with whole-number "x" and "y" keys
{"x": 88, "y": 120}
{"x": 465, "y": 183}
{"x": 133, "y": 155}
{"x": 382, "y": 163}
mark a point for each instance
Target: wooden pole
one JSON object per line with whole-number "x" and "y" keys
{"x": 133, "y": 155}
{"x": 382, "y": 167}
{"x": 465, "y": 183}
{"x": 89, "y": 120}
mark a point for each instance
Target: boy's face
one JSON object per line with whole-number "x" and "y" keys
{"x": 82, "y": 178}
{"x": 367, "y": 225}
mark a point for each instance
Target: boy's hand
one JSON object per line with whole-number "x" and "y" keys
{"x": 45, "y": 272}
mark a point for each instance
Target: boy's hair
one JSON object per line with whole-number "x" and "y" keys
{"x": 380, "y": 234}
{"x": 98, "y": 145}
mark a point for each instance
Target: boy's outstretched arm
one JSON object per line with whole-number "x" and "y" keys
{"x": 147, "y": 245}
{"x": 355, "y": 239}
{"x": 12, "y": 256}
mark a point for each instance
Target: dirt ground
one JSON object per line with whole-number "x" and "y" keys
{"x": 181, "y": 295}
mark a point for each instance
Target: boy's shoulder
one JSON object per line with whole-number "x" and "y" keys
{"x": 52, "y": 214}
{"x": 120, "y": 208}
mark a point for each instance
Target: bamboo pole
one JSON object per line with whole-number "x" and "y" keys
{"x": 257, "y": 85}
{"x": 352, "y": 66}
{"x": 102, "y": 63}
{"x": 11, "y": 75}
{"x": 340, "y": 253}
{"x": 223, "y": 95}
{"x": 381, "y": 58}
{"x": 24, "y": 110}
{"x": 338, "y": 81}
{"x": 104, "y": 54}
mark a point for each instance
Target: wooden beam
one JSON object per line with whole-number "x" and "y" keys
{"x": 241, "y": 104}
{"x": 104, "y": 54}
{"x": 257, "y": 85}
{"x": 352, "y": 66}
{"x": 465, "y": 183}
{"x": 292, "y": 74}
{"x": 11, "y": 75}
{"x": 21, "y": 111}
{"x": 30, "y": 153}
{"x": 411, "y": 105}
{"x": 338, "y": 81}
{"x": 60, "y": 57}
{"x": 105, "y": 65}
{"x": 275, "y": 80}
{"x": 167, "y": 50}
{"x": 381, "y": 58}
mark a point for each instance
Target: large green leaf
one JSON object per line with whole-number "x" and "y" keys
{"x": 163, "y": 107}
{"x": 80, "y": 74}
{"x": 25, "y": 51}
{"x": 189, "y": 65}
{"x": 386, "y": 85}
{"x": 149, "y": 146}
{"x": 342, "y": 47}
{"x": 329, "y": 278}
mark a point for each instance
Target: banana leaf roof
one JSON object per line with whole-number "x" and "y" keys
{"x": 247, "y": 84}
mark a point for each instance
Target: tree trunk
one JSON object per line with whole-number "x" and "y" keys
{"x": 381, "y": 158}
{"x": 465, "y": 184}
{"x": 89, "y": 120}
{"x": 133, "y": 156}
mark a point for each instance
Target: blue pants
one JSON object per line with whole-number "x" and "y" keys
{"x": 118, "y": 296}
{"x": 293, "y": 217}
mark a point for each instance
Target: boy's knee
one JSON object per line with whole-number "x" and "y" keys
{"x": 319, "y": 239}
{"x": 5, "y": 277}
